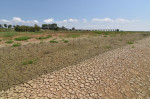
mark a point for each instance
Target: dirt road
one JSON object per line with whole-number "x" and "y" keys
{"x": 123, "y": 73}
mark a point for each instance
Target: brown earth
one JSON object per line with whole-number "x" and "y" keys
{"x": 49, "y": 57}
{"x": 122, "y": 73}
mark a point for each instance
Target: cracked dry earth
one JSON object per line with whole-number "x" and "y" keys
{"x": 123, "y": 73}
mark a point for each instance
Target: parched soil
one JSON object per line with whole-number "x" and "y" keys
{"x": 123, "y": 73}
{"x": 49, "y": 57}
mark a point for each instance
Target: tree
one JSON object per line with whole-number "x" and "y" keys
{"x": 117, "y": 29}
{"x": 53, "y": 26}
{"x": 36, "y": 27}
{"x": 63, "y": 28}
{"x": 9, "y": 26}
{"x": 5, "y": 25}
{"x": 73, "y": 28}
{"x": 44, "y": 26}
{"x": 1, "y": 26}
{"x": 14, "y": 26}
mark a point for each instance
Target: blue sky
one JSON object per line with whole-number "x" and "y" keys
{"x": 83, "y": 14}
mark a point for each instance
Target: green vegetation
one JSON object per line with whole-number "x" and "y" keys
{"x": 9, "y": 42}
{"x": 27, "y": 28}
{"x": 27, "y": 62}
{"x": 130, "y": 42}
{"x": 107, "y": 46}
{"x": 0, "y": 40}
{"x": 16, "y": 45}
{"x": 22, "y": 38}
{"x": 41, "y": 42}
{"x": 52, "y": 41}
{"x": 49, "y": 36}
{"x": 66, "y": 41}
{"x": 73, "y": 35}
{"x": 8, "y": 34}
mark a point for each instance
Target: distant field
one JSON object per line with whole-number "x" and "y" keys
{"x": 27, "y": 55}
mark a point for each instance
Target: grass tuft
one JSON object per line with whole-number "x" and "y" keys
{"x": 52, "y": 41}
{"x": 22, "y": 38}
{"x": 130, "y": 42}
{"x": 15, "y": 45}
{"x": 27, "y": 62}
{"x": 9, "y": 42}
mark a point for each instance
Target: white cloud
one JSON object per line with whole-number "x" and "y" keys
{"x": 119, "y": 20}
{"x": 68, "y": 21}
{"x": 4, "y": 21}
{"x": 17, "y": 20}
{"x": 49, "y": 20}
{"x": 122, "y": 20}
{"x": 84, "y": 20}
{"x": 73, "y": 20}
{"x": 102, "y": 20}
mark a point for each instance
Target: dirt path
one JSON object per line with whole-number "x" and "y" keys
{"x": 123, "y": 73}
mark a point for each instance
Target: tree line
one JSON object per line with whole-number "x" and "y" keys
{"x": 23, "y": 28}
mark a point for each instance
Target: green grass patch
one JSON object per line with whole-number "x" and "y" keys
{"x": 52, "y": 41}
{"x": 130, "y": 42}
{"x": 49, "y": 36}
{"x": 16, "y": 45}
{"x": 9, "y": 42}
{"x": 27, "y": 62}
{"x": 107, "y": 46}
{"x": 73, "y": 35}
{"x": 0, "y": 40}
{"x": 22, "y": 38}
{"x": 65, "y": 41}
{"x": 8, "y": 34}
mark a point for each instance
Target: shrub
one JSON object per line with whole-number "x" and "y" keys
{"x": 9, "y": 42}
{"x": 22, "y": 38}
{"x": 15, "y": 45}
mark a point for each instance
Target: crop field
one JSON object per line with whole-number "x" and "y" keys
{"x": 27, "y": 55}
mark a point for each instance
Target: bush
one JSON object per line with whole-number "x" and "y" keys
{"x": 22, "y": 38}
